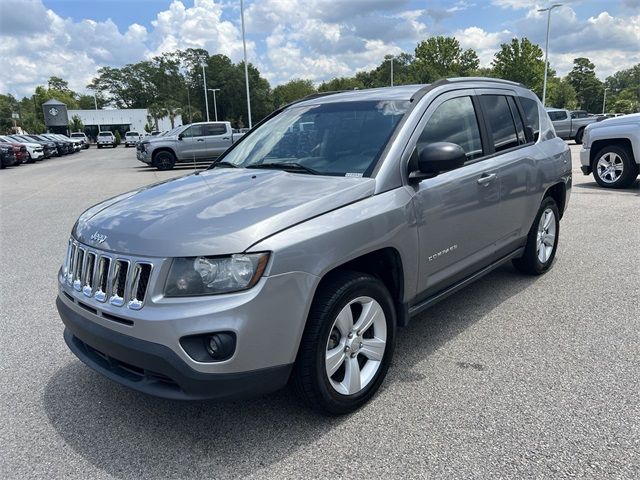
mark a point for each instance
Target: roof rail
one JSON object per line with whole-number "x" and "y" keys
{"x": 312, "y": 96}
{"x": 483, "y": 79}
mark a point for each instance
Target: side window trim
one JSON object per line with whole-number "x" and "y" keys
{"x": 523, "y": 118}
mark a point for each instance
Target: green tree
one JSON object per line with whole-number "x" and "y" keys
{"x": 76, "y": 125}
{"x": 561, "y": 94}
{"x": 118, "y": 137}
{"x": 521, "y": 61}
{"x": 589, "y": 90}
{"x": 623, "y": 106}
{"x": 341, "y": 83}
{"x": 441, "y": 57}
{"x": 292, "y": 91}
{"x": 403, "y": 72}
{"x": 8, "y": 105}
{"x": 157, "y": 112}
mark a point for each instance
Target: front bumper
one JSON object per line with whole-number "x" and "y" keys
{"x": 143, "y": 155}
{"x": 585, "y": 160}
{"x": 155, "y": 369}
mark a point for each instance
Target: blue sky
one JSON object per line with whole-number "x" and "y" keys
{"x": 314, "y": 39}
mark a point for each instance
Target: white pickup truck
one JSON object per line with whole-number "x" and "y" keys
{"x": 611, "y": 151}
{"x": 187, "y": 143}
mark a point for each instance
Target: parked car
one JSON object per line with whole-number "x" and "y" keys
{"x": 187, "y": 143}
{"x": 568, "y": 126}
{"x": 76, "y": 144}
{"x": 7, "y": 155}
{"x": 301, "y": 250}
{"x": 131, "y": 138}
{"x": 19, "y": 151}
{"x": 34, "y": 151}
{"x": 81, "y": 136}
{"x": 57, "y": 146}
{"x": 106, "y": 139}
{"x": 65, "y": 147}
{"x": 611, "y": 151}
{"x": 48, "y": 147}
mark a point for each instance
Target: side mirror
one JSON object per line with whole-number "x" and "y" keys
{"x": 438, "y": 157}
{"x": 180, "y": 136}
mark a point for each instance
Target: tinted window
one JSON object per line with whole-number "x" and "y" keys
{"x": 193, "y": 131}
{"x": 454, "y": 121}
{"x": 215, "y": 129}
{"x": 555, "y": 116}
{"x": 498, "y": 114}
{"x": 515, "y": 113}
{"x": 532, "y": 117}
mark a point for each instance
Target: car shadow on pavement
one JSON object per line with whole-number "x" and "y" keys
{"x": 127, "y": 434}
{"x": 634, "y": 188}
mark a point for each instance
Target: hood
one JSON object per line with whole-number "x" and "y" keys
{"x": 220, "y": 211}
{"x": 633, "y": 118}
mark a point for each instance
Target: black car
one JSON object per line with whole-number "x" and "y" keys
{"x": 7, "y": 157}
{"x": 49, "y": 147}
{"x": 68, "y": 145}
{"x": 62, "y": 147}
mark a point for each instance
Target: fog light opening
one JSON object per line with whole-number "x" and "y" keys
{"x": 220, "y": 345}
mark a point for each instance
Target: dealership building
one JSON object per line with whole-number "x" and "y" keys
{"x": 57, "y": 119}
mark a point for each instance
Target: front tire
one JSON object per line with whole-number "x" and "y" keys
{"x": 347, "y": 345}
{"x": 164, "y": 160}
{"x": 542, "y": 241}
{"x": 30, "y": 158}
{"x": 613, "y": 167}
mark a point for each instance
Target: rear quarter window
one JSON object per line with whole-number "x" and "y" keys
{"x": 532, "y": 115}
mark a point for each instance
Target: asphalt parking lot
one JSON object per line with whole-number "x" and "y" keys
{"x": 513, "y": 377}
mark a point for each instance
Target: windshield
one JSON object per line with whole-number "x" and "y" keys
{"x": 342, "y": 139}
{"x": 132, "y": 134}
{"x": 77, "y": 135}
{"x": 104, "y": 134}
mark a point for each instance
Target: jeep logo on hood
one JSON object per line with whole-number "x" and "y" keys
{"x": 98, "y": 237}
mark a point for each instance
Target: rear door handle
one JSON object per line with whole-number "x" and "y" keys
{"x": 486, "y": 179}
{"x": 200, "y": 140}
{"x": 225, "y": 138}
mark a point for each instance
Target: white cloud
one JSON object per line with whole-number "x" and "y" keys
{"x": 484, "y": 43}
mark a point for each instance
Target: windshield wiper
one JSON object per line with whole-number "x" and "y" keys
{"x": 224, "y": 164}
{"x": 287, "y": 166}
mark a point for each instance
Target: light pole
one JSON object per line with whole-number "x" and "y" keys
{"x": 604, "y": 100}
{"x": 215, "y": 106}
{"x": 206, "y": 99}
{"x": 246, "y": 67}
{"x": 546, "y": 48}
{"x": 95, "y": 102}
{"x": 391, "y": 59}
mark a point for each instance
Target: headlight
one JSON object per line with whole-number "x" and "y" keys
{"x": 213, "y": 275}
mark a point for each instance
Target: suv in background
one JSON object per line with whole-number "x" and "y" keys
{"x": 106, "y": 139}
{"x": 131, "y": 138}
{"x": 300, "y": 251}
{"x": 34, "y": 150}
{"x": 81, "y": 136}
{"x": 611, "y": 151}
{"x": 7, "y": 155}
{"x": 187, "y": 143}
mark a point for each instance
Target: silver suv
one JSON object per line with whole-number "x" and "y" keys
{"x": 187, "y": 143}
{"x": 299, "y": 253}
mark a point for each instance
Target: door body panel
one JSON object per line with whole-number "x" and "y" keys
{"x": 218, "y": 139}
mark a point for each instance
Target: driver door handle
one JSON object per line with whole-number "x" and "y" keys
{"x": 486, "y": 179}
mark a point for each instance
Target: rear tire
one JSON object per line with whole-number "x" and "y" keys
{"x": 579, "y": 135}
{"x": 613, "y": 167}
{"x": 542, "y": 240}
{"x": 164, "y": 160}
{"x": 347, "y": 345}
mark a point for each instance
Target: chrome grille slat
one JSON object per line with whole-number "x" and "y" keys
{"x": 104, "y": 277}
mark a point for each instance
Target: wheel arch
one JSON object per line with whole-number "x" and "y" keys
{"x": 623, "y": 142}
{"x": 162, "y": 149}
{"x": 558, "y": 192}
{"x": 384, "y": 264}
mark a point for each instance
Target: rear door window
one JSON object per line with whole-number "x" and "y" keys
{"x": 556, "y": 116}
{"x": 215, "y": 129}
{"x": 532, "y": 116}
{"x": 454, "y": 121}
{"x": 515, "y": 113}
{"x": 501, "y": 126}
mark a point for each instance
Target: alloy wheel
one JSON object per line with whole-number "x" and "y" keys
{"x": 610, "y": 167}
{"x": 356, "y": 345}
{"x": 546, "y": 237}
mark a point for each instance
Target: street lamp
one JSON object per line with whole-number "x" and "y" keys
{"x": 546, "y": 48}
{"x": 206, "y": 100}
{"x": 215, "y": 106}
{"x": 604, "y": 100}
{"x": 246, "y": 68}
{"x": 390, "y": 57}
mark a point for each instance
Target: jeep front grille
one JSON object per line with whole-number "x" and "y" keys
{"x": 106, "y": 277}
